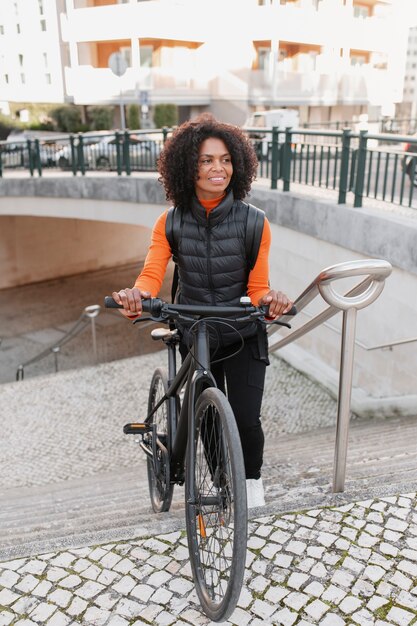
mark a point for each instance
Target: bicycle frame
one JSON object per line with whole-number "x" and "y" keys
{"x": 195, "y": 370}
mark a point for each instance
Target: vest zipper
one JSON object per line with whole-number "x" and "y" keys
{"x": 209, "y": 275}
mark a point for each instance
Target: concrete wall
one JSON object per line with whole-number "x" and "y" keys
{"x": 308, "y": 235}
{"x": 33, "y": 249}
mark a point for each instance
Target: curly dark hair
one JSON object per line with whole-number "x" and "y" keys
{"x": 178, "y": 161}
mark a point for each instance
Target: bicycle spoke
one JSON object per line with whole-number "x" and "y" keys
{"x": 216, "y": 520}
{"x": 160, "y": 488}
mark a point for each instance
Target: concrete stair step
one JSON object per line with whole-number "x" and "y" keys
{"x": 297, "y": 475}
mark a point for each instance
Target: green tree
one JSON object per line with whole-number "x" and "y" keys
{"x": 67, "y": 119}
{"x": 101, "y": 117}
{"x": 6, "y": 125}
{"x": 165, "y": 115}
{"x": 133, "y": 120}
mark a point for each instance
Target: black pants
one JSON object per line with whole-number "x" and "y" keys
{"x": 242, "y": 378}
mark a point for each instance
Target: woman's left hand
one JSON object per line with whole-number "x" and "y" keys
{"x": 279, "y": 303}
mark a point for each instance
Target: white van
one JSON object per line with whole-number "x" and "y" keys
{"x": 279, "y": 118}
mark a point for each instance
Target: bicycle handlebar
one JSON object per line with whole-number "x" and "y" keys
{"x": 156, "y": 307}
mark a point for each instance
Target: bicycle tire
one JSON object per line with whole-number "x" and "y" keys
{"x": 160, "y": 487}
{"x": 217, "y": 519}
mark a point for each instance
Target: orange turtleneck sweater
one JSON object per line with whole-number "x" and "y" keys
{"x": 159, "y": 253}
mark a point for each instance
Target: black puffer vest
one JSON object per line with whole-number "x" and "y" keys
{"x": 212, "y": 263}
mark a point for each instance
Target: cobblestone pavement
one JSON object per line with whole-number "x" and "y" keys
{"x": 349, "y": 565}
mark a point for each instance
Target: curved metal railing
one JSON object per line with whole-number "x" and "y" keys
{"x": 374, "y": 271}
{"x": 88, "y": 316}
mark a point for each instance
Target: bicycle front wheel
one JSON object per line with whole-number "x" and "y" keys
{"x": 160, "y": 487}
{"x": 216, "y": 510}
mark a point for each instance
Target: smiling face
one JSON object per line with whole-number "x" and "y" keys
{"x": 215, "y": 169}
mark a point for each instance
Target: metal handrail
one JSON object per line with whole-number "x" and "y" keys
{"x": 380, "y": 346}
{"x": 89, "y": 314}
{"x": 359, "y": 297}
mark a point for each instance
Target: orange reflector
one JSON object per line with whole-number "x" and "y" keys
{"x": 202, "y": 526}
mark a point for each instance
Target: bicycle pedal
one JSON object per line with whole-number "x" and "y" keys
{"x": 137, "y": 428}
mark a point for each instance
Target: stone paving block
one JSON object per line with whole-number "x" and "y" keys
{"x": 296, "y": 600}
{"x": 8, "y": 597}
{"x": 333, "y": 594}
{"x": 42, "y": 612}
{"x": 124, "y": 566}
{"x": 89, "y": 589}
{"x": 316, "y": 609}
{"x": 110, "y": 559}
{"x": 60, "y": 619}
{"x": 76, "y": 607}
{"x": 363, "y": 618}
{"x": 297, "y": 580}
{"x": 315, "y": 588}
{"x": 350, "y": 604}
{"x": 107, "y": 600}
{"x": 8, "y": 578}
{"x": 25, "y": 605}
{"x": 6, "y": 618}
{"x": 27, "y": 583}
{"x": 284, "y": 617}
{"x": 129, "y": 608}
{"x": 60, "y": 597}
{"x": 161, "y": 596}
{"x": 262, "y": 609}
{"x": 124, "y": 585}
{"x": 34, "y": 566}
{"x": 400, "y": 616}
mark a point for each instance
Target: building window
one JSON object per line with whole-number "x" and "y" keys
{"x": 146, "y": 56}
{"x": 1, "y": 29}
{"x": 361, "y": 11}
{"x": 6, "y": 78}
{"x": 43, "y": 25}
{"x": 20, "y": 57}
{"x": 41, "y": 9}
{"x": 48, "y": 79}
{"x": 22, "y": 78}
{"x": 45, "y": 59}
{"x": 18, "y": 29}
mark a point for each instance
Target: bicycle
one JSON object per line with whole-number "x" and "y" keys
{"x": 196, "y": 441}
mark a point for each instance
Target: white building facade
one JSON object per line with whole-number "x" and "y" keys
{"x": 331, "y": 59}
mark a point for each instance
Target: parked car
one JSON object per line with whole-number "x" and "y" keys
{"x": 279, "y": 118}
{"x": 409, "y": 161}
{"x": 143, "y": 153}
{"x": 17, "y": 154}
{"x": 63, "y": 156}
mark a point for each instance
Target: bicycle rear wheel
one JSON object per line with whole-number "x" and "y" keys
{"x": 160, "y": 487}
{"x": 217, "y": 516}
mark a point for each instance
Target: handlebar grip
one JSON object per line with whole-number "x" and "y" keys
{"x": 149, "y": 305}
{"x": 109, "y": 303}
{"x": 292, "y": 311}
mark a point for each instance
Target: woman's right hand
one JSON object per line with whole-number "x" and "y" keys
{"x": 131, "y": 299}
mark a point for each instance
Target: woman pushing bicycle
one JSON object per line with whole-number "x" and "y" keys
{"x": 207, "y": 168}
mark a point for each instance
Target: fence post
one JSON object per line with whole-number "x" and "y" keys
{"x": 118, "y": 153}
{"x": 274, "y": 158}
{"x": 38, "y": 157}
{"x": 344, "y": 166}
{"x": 360, "y": 168}
{"x": 1, "y": 165}
{"x": 73, "y": 155}
{"x": 80, "y": 154}
{"x": 286, "y": 162}
{"x": 30, "y": 157}
{"x": 126, "y": 153}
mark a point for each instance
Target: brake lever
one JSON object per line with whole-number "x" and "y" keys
{"x": 280, "y": 323}
{"x": 147, "y": 319}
